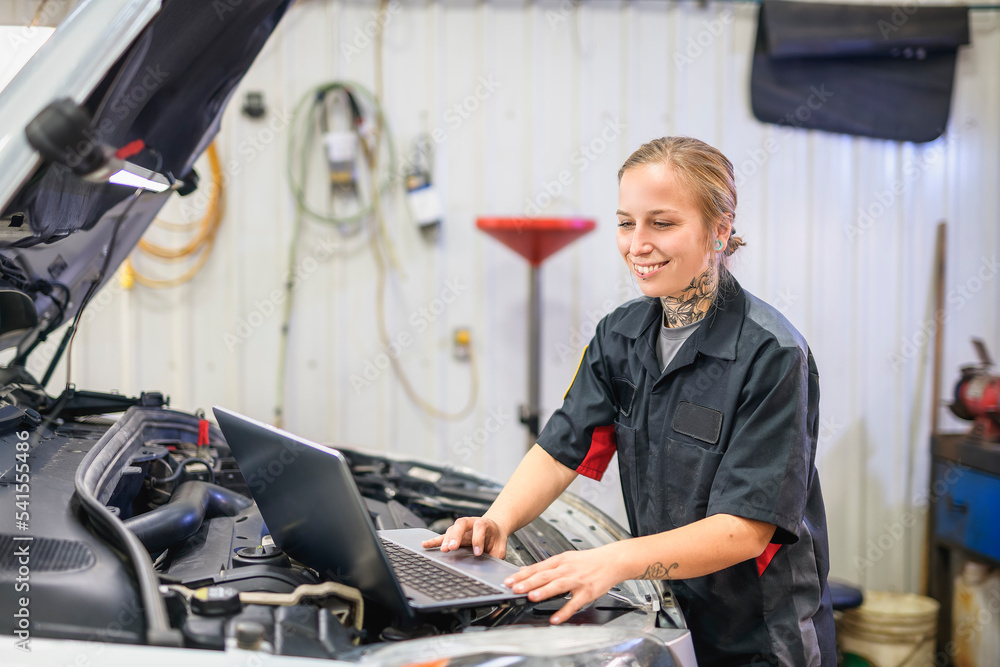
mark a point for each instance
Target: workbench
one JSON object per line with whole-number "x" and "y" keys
{"x": 964, "y": 519}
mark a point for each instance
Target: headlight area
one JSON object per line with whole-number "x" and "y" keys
{"x": 624, "y": 645}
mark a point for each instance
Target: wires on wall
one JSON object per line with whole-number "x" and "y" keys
{"x": 312, "y": 126}
{"x": 196, "y": 249}
{"x": 349, "y": 199}
{"x": 354, "y": 198}
{"x": 381, "y": 265}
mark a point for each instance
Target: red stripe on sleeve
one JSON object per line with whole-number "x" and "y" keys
{"x": 602, "y": 448}
{"x": 764, "y": 559}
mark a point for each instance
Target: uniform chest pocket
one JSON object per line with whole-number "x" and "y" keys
{"x": 624, "y": 394}
{"x": 686, "y": 473}
{"x": 698, "y": 422}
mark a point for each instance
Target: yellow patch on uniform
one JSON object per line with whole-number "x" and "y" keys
{"x": 576, "y": 373}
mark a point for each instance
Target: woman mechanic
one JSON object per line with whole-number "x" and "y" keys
{"x": 710, "y": 397}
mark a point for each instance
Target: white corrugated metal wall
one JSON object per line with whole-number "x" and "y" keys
{"x": 575, "y": 87}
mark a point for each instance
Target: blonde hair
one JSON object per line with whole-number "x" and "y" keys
{"x": 705, "y": 170}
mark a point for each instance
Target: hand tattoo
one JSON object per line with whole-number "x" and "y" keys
{"x": 694, "y": 301}
{"x": 657, "y": 571}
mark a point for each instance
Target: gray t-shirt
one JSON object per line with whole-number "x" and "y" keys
{"x": 670, "y": 340}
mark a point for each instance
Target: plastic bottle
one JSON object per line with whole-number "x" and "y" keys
{"x": 975, "y": 616}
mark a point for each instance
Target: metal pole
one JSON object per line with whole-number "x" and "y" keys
{"x": 939, "y": 276}
{"x": 530, "y": 412}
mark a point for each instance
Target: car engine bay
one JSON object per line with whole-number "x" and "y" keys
{"x": 144, "y": 531}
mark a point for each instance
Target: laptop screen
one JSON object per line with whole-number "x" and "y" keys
{"x": 311, "y": 504}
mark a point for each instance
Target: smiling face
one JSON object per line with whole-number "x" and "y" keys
{"x": 661, "y": 234}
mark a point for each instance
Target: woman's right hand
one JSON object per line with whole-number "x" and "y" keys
{"x": 537, "y": 481}
{"x": 484, "y": 535}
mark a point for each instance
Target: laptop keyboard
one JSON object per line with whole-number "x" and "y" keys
{"x": 431, "y": 579}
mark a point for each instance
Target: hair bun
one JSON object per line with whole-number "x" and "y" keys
{"x": 735, "y": 242}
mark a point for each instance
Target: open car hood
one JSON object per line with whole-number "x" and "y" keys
{"x": 159, "y": 72}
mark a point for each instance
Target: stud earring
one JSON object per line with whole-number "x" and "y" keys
{"x": 718, "y": 244}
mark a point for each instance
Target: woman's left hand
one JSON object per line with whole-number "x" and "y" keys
{"x": 586, "y": 574}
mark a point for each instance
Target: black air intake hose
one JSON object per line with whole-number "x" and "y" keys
{"x": 182, "y": 516}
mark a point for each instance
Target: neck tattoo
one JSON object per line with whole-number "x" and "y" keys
{"x": 693, "y": 302}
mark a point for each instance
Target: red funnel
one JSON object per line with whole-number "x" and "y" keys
{"x": 535, "y": 239}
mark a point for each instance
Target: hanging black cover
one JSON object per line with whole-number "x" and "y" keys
{"x": 869, "y": 70}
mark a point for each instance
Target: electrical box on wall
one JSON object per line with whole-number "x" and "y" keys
{"x": 341, "y": 156}
{"x": 424, "y": 200}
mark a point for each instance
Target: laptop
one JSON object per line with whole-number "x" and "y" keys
{"x": 310, "y": 503}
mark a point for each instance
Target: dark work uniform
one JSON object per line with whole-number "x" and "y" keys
{"x": 729, "y": 427}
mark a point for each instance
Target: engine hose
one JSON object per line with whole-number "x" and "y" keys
{"x": 180, "y": 470}
{"x": 182, "y": 516}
